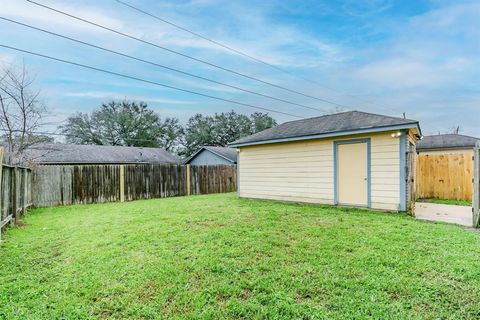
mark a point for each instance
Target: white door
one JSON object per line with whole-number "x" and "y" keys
{"x": 352, "y": 174}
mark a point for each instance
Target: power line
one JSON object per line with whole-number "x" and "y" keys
{"x": 147, "y": 81}
{"x": 69, "y": 135}
{"x": 159, "y": 65}
{"x": 188, "y": 56}
{"x": 239, "y": 52}
{"x": 220, "y": 44}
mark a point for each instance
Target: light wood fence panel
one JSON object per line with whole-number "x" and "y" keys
{"x": 446, "y": 176}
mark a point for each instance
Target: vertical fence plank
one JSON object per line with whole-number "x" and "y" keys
{"x": 14, "y": 194}
{"x": 476, "y": 186}
{"x": 446, "y": 176}
{"x": 122, "y": 183}
{"x": 67, "y": 184}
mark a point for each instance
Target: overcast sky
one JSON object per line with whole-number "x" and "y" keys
{"x": 389, "y": 57}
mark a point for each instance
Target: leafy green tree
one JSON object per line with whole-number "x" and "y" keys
{"x": 221, "y": 129}
{"x": 229, "y": 127}
{"x": 198, "y": 132}
{"x": 125, "y": 123}
{"x": 262, "y": 121}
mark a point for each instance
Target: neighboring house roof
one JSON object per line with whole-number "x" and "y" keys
{"x": 53, "y": 153}
{"x": 351, "y": 122}
{"x": 229, "y": 154}
{"x": 446, "y": 141}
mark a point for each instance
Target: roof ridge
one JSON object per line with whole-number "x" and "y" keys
{"x": 351, "y": 111}
{"x": 322, "y": 116}
{"x": 348, "y": 121}
{"x": 451, "y": 134}
{"x": 91, "y": 145}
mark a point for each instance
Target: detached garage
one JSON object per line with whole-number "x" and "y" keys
{"x": 350, "y": 158}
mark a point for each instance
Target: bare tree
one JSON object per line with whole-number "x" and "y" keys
{"x": 21, "y": 111}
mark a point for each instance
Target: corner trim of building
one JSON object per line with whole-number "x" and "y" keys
{"x": 403, "y": 167}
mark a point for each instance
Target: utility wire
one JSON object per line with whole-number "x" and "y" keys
{"x": 222, "y": 45}
{"x": 160, "y": 65}
{"x": 147, "y": 81}
{"x": 69, "y": 135}
{"x": 188, "y": 56}
{"x": 246, "y": 55}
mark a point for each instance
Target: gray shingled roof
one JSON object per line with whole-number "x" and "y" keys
{"x": 332, "y": 124}
{"x": 445, "y": 141}
{"x": 50, "y": 153}
{"x": 225, "y": 152}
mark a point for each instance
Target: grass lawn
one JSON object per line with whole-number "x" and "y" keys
{"x": 447, "y": 201}
{"x": 216, "y": 256}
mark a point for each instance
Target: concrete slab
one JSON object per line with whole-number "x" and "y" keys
{"x": 461, "y": 215}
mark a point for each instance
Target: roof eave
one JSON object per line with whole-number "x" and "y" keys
{"x": 413, "y": 125}
{"x": 186, "y": 161}
{"x": 220, "y": 155}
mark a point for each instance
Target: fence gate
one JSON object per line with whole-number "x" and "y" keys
{"x": 476, "y": 186}
{"x": 444, "y": 176}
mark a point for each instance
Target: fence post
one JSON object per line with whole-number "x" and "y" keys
{"x": 13, "y": 189}
{"x": 122, "y": 183}
{"x": 188, "y": 180}
{"x": 476, "y": 186}
{"x": 23, "y": 191}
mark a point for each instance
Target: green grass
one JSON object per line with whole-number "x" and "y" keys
{"x": 217, "y": 256}
{"x": 447, "y": 201}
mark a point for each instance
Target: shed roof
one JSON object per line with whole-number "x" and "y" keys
{"x": 446, "y": 141}
{"x": 59, "y": 153}
{"x": 229, "y": 154}
{"x": 337, "y": 124}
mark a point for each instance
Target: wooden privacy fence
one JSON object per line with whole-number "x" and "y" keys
{"x": 74, "y": 184}
{"x": 476, "y": 186}
{"x": 212, "y": 179}
{"x": 15, "y": 192}
{"x": 445, "y": 176}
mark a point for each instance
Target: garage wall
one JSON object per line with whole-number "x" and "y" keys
{"x": 303, "y": 171}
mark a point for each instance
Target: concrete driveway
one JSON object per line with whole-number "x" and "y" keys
{"x": 461, "y": 215}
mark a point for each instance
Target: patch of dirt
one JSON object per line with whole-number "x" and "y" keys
{"x": 246, "y": 294}
{"x": 209, "y": 224}
{"x": 20, "y": 224}
{"x": 148, "y": 291}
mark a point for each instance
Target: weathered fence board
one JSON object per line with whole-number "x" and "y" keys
{"x": 445, "y": 176}
{"x": 95, "y": 184}
{"x": 15, "y": 193}
{"x": 73, "y": 184}
{"x": 213, "y": 179}
{"x": 145, "y": 181}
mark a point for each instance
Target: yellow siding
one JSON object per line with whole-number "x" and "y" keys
{"x": 303, "y": 171}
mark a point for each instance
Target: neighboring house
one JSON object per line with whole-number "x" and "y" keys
{"x": 212, "y": 156}
{"x": 59, "y": 153}
{"x": 447, "y": 144}
{"x": 351, "y": 158}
